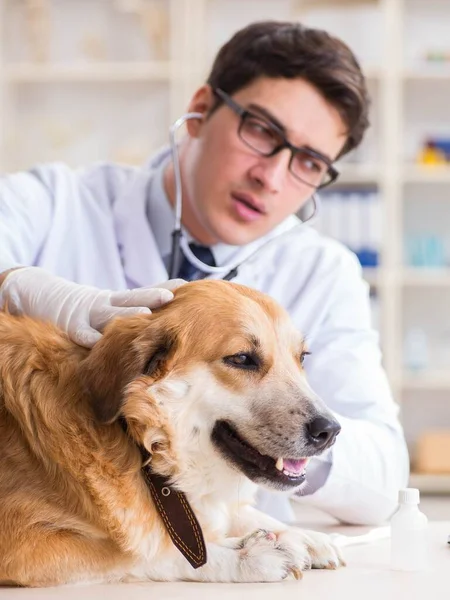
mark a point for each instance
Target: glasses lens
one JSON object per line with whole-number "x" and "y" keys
{"x": 259, "y": 135}
{"x": 310, "y": 169}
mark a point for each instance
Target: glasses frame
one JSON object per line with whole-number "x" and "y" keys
{"x": 243, "y": 113}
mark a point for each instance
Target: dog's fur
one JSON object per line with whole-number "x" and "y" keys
{"x": 74, "y": 506}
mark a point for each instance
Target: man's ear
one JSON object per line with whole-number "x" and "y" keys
{"x": 201, "y": 102}
{"x": 129, "y": 348}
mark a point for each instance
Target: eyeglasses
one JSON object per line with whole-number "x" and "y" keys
{"x": 267, "y": 139}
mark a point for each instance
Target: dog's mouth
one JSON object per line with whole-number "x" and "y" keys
{"x": 282, "y": 473}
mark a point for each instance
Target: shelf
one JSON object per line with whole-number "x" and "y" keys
{"x": 107, "y": 71}
{"x": 100, "y": 72}
{"x": 437, "y": 277}
{"x": 351, "y": 173}
{"x": 438, "y": 72}
{"x": 302, "y": 4}
{"x": 358, "y": 173}
{"x": 430, "y": 484}
{"x": 408, "y": 277}
{"x": 426, "y": 174}
{"x": 426, "y": 380}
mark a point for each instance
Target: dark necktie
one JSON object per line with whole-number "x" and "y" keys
{"x": 189, "y": 272}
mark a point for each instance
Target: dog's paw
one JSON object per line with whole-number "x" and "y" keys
{"x": 263, "y": 558}
{"x": 323, "y": 554}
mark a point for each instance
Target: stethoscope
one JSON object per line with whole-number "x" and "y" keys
{"x": 180, "y": 246}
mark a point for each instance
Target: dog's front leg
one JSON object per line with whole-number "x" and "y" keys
{"x": 322, "y": 554}
{"x": 261, "y": 549}
{"x": 256, "y": 557}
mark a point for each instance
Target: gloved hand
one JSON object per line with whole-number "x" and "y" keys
{"x": 80, "y": 310}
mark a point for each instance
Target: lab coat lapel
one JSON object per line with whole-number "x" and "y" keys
{"x": 142, "y": 262}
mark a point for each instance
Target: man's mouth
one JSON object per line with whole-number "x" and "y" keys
{"x": 247, "y": 207}
{"x": 282, "y": 473}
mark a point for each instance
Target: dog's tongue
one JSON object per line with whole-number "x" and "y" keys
{"x": 295, "y": 466}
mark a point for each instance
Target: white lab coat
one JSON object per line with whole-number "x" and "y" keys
{"x": 91, "y": 227}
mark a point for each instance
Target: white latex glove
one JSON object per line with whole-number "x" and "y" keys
{"x": 80, "y": 310}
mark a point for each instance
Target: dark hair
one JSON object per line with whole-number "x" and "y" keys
{"x": 290, "y": 50}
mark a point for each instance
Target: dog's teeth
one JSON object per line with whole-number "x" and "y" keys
{"x": 279, "y": 464}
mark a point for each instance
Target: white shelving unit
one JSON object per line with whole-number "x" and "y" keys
{"x": 97, "y": 73}
{"x": 418, "y": 174}
{"x": 168, "y": 77}
{"x": 196, "y": 28}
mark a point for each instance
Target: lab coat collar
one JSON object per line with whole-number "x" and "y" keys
{"x": 141, "y": 258}
{"x": 158, "y": 207}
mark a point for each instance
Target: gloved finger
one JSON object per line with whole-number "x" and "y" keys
{"x": 99, "y": 318}
{"x": 149, "y": 297}
{"x": 171, "y": 284}
{"x": 85, "y": 336}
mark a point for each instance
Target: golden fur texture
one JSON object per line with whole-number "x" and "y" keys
{"x": 74, "y": 505}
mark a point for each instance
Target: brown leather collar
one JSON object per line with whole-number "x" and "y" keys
{"x": 176, "y": 513}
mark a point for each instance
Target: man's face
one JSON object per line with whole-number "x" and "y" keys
{"x": 222, "y": 176}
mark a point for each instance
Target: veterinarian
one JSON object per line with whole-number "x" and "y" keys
{"x": 280, "y": 105}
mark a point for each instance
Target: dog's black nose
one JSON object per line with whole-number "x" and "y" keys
{"x": 322, "y": 432}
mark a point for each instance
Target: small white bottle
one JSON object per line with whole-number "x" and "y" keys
{"x": 409, "y": 534}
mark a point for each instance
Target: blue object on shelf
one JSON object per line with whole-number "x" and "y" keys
{"x": 442, "y": 144}
{"x": 425, "y": 251}
{"x": 368, "y": 257}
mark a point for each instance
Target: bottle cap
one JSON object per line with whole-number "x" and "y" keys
{"x": 409, "y": 496}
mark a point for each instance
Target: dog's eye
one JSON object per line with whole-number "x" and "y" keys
{"x": 302, "y": 357}
{"x": 242, "y": 361}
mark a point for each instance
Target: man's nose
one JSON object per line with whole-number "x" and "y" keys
{"x": 271, "y": 171}
{"x": 322, "y": 432}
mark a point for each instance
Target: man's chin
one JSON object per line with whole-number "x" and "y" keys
{"x": 238, "y": 234}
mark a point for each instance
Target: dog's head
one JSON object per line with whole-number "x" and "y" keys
{"x": 215, "y": 375}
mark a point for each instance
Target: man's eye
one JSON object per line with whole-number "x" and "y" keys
{"x": 260, "y": 128}
{"x": 302, "y": 357}
{"x": 242, "y": 361}
{"x": 309, "y": 164}
{"x": 313, "y": 166}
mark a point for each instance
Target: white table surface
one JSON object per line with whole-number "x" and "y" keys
{"x": 366, "y": 577}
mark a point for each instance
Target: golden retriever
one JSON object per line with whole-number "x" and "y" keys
{"x": 212, "y": 387}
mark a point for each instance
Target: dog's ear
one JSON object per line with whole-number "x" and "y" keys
{"x": 129, "y": 348}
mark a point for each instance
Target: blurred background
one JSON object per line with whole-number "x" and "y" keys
{"x": 89, "y": 80}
